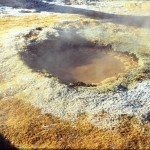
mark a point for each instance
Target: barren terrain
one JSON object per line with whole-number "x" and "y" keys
{"x": 75, "y": 76}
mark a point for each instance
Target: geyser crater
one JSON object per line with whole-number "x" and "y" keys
{"x": 73, "y": 60}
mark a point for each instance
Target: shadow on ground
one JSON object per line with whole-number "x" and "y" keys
{"x": 5, "y": 144}
{"x": 137, "y": 21}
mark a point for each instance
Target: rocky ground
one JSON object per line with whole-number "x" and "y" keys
{"x": 38, "y": 110}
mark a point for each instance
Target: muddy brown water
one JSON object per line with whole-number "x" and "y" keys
{"x": 74, "y": 64}
{"x": 97, "y": 69}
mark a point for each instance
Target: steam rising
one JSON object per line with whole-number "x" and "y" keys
{"x": 71, "y": 58}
